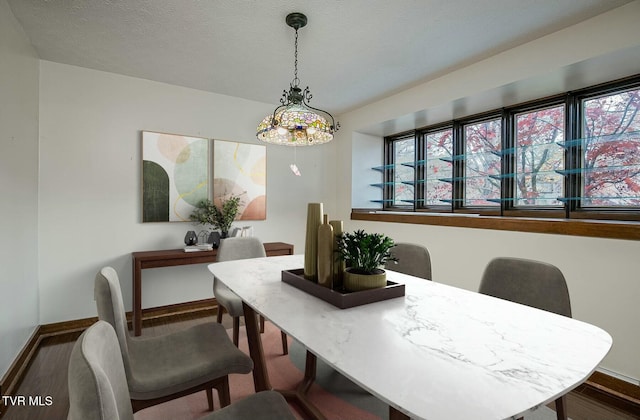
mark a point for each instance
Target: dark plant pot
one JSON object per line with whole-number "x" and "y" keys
{"x": 224, "y": 234}
{"x": 354, "y": 281}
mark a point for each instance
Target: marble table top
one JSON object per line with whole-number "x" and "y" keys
{"x": 439, "y": 352}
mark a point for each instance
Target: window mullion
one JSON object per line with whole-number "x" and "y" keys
{"x": 507, "y": 181}
{"x": 458, "y": 167}
{"x": 419, "y": 180}
{"x": 572, "y": 181}
{"x": 389, "y": 164}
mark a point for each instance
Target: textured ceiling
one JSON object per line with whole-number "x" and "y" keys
{"x": 351, "y": 52}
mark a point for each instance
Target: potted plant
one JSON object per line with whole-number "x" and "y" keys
{"x": 364, "y": 254}
{"x": 207, "y": 213}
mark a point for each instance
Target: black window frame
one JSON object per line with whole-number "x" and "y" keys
{"x": 460, "y": 171}
{"x": 509, "y": 190}
{"x": 389, "y": 171}
{"x": 572, "y": 159}
{"x": 607, "y": 213}
{"x": 421, "y": 173}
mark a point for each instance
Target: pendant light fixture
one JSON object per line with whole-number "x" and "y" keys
{"x": 295, "y": 122}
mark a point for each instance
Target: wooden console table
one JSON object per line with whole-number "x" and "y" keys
{"x": 174, "y": 257}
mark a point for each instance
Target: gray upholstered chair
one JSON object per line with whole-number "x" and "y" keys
{"x": 532, "y": 283}
{"x": 98, "y": 385}
{"x": 162, "y": 368}
{"x": 413, "y": 259}
{"x": 238, "y": 249}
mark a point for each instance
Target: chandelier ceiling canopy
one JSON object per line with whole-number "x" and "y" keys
{"x": 295, "y": 122}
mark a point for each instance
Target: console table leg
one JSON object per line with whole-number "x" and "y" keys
{"x": 137, "y": 298}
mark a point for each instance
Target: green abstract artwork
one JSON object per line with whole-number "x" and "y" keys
{"x": 175, "y": 175}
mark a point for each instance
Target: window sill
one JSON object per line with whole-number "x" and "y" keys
{"x": 589, "y": 228}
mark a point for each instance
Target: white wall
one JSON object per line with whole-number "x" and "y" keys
{"x": 602, "y": 274}
{"x": 368, "y": 157}
{"x": 18, "y": 188}
{"x": 90, "y": 186}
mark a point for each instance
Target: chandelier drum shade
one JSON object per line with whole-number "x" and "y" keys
{"x": 295, "y": 122}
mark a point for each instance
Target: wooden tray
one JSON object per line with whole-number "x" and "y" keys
{"x": 342, "y": 299}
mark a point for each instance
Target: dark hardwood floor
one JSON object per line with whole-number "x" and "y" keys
{"x": 47, "y": 376}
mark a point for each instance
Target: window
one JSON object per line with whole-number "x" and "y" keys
{"x": 403, "y": 171}
{"x": 538, "y": 156}
{"x": 576, "y": 155}
{"x": 438, "y": 171}
{"x": 483, "y": 145}
{"x": 610, "y": 150}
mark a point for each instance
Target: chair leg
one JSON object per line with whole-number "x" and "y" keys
{"x": 261, "y": 324}
{"x": 236, "y": 330}
{"x": 223, "y": 392}
{"x": 561, "y": 408}
{"x": 210, "y": 398}
{"x": 220, "y": 312}
{"x": 285, "y": 344}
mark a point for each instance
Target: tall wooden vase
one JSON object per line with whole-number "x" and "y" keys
{"x": 325, "y": 253}
{"x": 338, "y": 266}
{"x": 314, "y": 220}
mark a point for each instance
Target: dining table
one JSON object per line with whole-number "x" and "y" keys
{"x": 439, "y": 352}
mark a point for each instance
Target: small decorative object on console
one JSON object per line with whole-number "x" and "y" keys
{"x": 195, "y": 248}
{"x": 214, "y": 239}
{"x": 191, "y": 238}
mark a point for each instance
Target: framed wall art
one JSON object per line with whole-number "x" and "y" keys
{"x": 240, "y": 169}
{"x": 175, "y": 175}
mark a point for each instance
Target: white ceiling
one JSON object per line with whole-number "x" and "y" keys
{"x": 352, "y": 52}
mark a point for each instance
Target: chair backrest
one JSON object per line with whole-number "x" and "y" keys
{"x": 240, "y": 249}
{"x": 108, "y": 297}
{"x": 98, "y": 387}
{"x": 413, "y": 259}
{"x": 533, "y": 283}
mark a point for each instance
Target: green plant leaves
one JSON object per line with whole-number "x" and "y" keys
{"x": 207, "y": 213}
{"x": 363, "y": 251}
